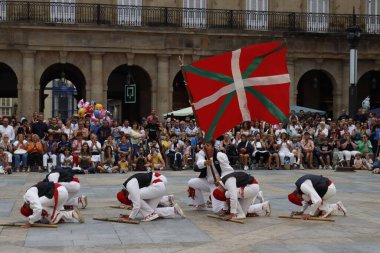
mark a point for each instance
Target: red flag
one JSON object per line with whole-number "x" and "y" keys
{"x": 245, "y": 84}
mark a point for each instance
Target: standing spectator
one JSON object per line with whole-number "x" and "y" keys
{"x": 103, "y": 132}
{"x": 153, "y": 130}
{"x": 20, "y": 152}
{"x": 5, "y": 128}
{"x": 308, "y": 149}
{"x": 40, "y": 128}
{"x": 152, "y": 116}
{"x": 24, "y": 128}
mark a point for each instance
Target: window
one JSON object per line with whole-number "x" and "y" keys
{"x": 194, "y": 13}
{"x": 62, "y": 11}
{"x": 129, "y": 12}
{"x": 3, "y": 10}
{"x": 318, "y": 15}
{"x": 373, "y": 19}
{"x": 6, "y": 111}
{"x": 257, "y": 14}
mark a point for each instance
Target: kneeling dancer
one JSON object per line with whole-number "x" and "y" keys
{"x": 313, "y": 192}
{"x": 72, "y": 185}
{"x": 213, "y": 165}
{"x": 143, "y": 191}
{"x": 43, "y": 202}
{"x": 239, "y": 190}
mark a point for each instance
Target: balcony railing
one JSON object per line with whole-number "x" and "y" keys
{"x": 142, "y": 16}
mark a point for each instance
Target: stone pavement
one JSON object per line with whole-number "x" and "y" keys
{"x": 358, "y": 232}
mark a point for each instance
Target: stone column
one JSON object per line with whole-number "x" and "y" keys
{"x": 98, "y": 89}
{"x": 28, "y": 91}
{"x": 345, "y": 86}
{"x": 293, "y": 84}
{"x": 163, "y": 87}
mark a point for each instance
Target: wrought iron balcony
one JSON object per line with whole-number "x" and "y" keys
{"x": 40, "y": 13}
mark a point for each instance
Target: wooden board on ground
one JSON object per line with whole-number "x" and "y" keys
{"x": 36, "y": 225}
{"x": 122, "y": 207}
{"x": 118, "y": 220}
{"x": 221, "y": 218}
{"x": 300, "y": 218}
{"x": 345, "y": 169}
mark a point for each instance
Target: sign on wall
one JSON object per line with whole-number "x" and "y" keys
{"x": 130, "y": 94}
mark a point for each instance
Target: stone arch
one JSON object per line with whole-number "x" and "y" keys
{"x": 369, "y": 85}
{"x": 121, "y": 76}
{"x": 180, "y": 96}
{"x": 8, "y": 81}
{"x": 315, "y": 89}
{"x": 66, "y": 71}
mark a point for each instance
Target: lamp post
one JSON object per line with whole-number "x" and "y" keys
{"x": 353, "y": 37}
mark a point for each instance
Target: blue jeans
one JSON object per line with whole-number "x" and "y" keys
{"x": 24, "y": 159}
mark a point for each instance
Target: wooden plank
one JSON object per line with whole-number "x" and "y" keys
{"x": 118, "y": 220}
{"x": 299, "y": 217}
{"x": 36, "y": 225}
{"x": 221, "y": 218}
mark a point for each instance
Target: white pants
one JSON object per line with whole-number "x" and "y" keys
{"x": 282, "y": 155}
{"x": 200, "y": 185}
{"x": 150, "y": 197}
{"x": 326, "y": 207}
{"x": 45, "y": 157}
{"x": 348, "y": 154}
{"x": 48, "y": 205}
{"x": 73, "y": 189}
{"x": 245, "y": 196}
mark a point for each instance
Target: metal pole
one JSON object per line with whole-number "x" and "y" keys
{"x": 353, "y": 80}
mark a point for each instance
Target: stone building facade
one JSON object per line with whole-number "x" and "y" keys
{"x": 101, "y": 46}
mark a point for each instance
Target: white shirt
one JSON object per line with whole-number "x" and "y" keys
{"x": 126, "y": 130}
{"x": 223, "y": 162}
{"x": 8, "y": 130}
{"x": 31, "y": 197}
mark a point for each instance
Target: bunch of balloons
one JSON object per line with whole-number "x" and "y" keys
{"x": 96, "y": 111}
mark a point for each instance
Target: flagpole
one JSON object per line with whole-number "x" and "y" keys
{"x": 195, "y": 115}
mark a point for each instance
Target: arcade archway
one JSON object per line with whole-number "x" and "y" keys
{"x": 369, "y": 86}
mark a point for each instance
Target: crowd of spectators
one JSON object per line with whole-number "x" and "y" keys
{"x": 85, "y": 146}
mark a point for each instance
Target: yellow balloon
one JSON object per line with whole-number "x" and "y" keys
{"x": 98, "y": 107}
{"x": 81, "y": 112}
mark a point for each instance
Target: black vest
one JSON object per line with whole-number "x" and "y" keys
{"x": 320, "y": 183}
{"x": 242, "y": 178}
{"x": 45, "y": 189}
{"x": 64, "y": 176}
{"x": 216, "y": 164}
{"x": 143, "y": 179}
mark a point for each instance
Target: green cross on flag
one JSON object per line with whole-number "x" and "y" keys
{"x": 246, "y": 84}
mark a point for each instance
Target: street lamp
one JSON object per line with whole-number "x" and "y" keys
{"x": 353, "y": 37}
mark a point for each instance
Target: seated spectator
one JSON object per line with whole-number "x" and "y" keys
{"x": 5, "y": 143}
{"x": 50, "y": 155}
{"x": 84, "y": 160}
{"x": 140, "y": 161}
{"x": 35, "y": 152}
{"x": 256, "y": 128}
{"x": 322, "y": 128}
{"x": 95, "y": 149}
{"x": 308, "y": 149}
{"x": 64, "y": 143}
{"x": 54, "y": 129}
{"x": 244, "y": 149}
{"x": 77, "y": 147}
{"x": 260, "y": 153}
{"x": 20, "y": 153}
{"x": 155, "y": 159}
{"x": 81, "y": 129}
{"x": 68, "y": 130}
{"x": 155, "y": 144}
{"x": 124, "y": 147}
{"x": 368, "y": 161}
{"x": 25, "y": 128}
{"x": 67, "y": 160}
{"x": 284, "y": 147}
{"x": 348, "y": 147}
{"x": 110, "y": 142}
{"x": 123, "y": 163}
{"x": 271, "y": 146}
{"x": 5, "y": 168}
{"x": 325, "y": 155}
{"x": 364, "y": 145}
{"x": 224, "y": 143}
{"x": 358, "y": 162}
{"x": 107, "y": 162}
{"x": 175, "y": 153}
{"x": 356, "y": 132}
{"x": 187, "y": 153}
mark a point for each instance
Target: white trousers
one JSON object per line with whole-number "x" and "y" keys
{"x": 48, "y": 205}
{"x": 73, "y": 189}
{"x": 45, "y": 157}
{"x": 202, "y": 185}
{"x": 245, "y": 196}
{"x": 282, "y": 155}
{"x": 326, "y": 207}
{"x": 348, "y": 154}
{"x": 150, "y": 197}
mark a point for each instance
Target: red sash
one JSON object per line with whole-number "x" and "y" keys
{"x": 157, "y": 181}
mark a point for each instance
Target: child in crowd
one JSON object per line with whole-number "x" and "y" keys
{"x": 368, "y": 162}
{"x": 66, "y": 159}
{"x": 123, "y": 163}
{"x": 358, "y": 162}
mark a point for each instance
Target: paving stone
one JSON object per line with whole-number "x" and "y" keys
{"x": 6, "y": 206}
